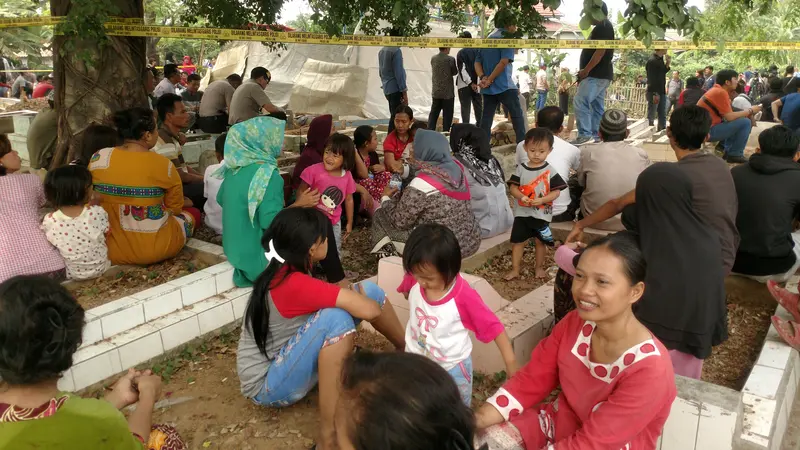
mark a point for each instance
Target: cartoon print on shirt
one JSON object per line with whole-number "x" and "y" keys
{"x": 330, "y": 199}
{"x": 430, "y": 323}
{"x": 538, "y": 188}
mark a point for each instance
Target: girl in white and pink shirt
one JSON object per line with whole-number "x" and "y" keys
{"x": 443, "y": 308}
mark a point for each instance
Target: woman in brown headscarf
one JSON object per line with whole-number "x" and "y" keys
{"x": 318, "y": 133}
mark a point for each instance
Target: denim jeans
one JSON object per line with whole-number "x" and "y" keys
{"x": 590, "y": 104}
{"x": 395, "y": 100}
{"x": 445, "y": 106}
{"x": 541, "y": 99}
{"x": 510, "y": 100}
{"x": 462, "y": 375}
{"x": 294, "y": 372}
{"x": 466, "y": 96}
{"x": 733, "y": 135}
{"x": 661, "y": 108}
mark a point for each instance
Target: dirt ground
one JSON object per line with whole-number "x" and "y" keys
{"x": 748, "y": 322}
{"x": 130, "y": 280}
{"x": 212, "y": 413}
{"x": 497, "y": 267}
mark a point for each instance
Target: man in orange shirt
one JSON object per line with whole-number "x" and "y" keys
{"x": 729, "y": 127}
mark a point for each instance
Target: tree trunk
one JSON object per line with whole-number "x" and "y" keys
{"x": 152, "y": 49}
{"x": 92, "y": 93}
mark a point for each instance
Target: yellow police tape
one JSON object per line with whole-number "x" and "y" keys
{"x": 133, "y": 27}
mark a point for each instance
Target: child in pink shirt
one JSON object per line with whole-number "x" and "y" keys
{"x": 334, "y": 182}
{"x": 444, "y": 308}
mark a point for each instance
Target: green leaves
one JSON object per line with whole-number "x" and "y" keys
{"x": 598, "y": 15}
{"x": 585, "y": 23}
{"x": 648, "y": 20}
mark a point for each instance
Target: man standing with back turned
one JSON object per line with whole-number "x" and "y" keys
{"x": 493, "y": 67}
{"x": 393, "y": 77}
{"x": 657, "y": 67}
{"x": 594, "y": 77}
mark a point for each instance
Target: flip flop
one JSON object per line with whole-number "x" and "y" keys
{"x": 789, "y": 300}
{"x": 794, "y": 339}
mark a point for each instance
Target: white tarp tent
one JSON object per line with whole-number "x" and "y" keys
{"x": 292, "y": 76}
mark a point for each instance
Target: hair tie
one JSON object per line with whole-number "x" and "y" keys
{"x": 273, "y": 254}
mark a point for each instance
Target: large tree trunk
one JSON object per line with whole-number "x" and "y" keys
{"x": 91, "y": 93}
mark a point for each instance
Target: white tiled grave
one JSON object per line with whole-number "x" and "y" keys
{"x": 134, "y": 329}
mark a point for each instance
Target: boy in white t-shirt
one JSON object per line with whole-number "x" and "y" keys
{"x": 211, "y": 187}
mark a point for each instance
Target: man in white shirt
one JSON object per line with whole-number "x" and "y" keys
{"x": 523, "y": 80}
{"x": 565, "y": 158}
{"x": 542, "y": 86}
{"x": 172, "y": 76}
{"x": 211, "y": 187}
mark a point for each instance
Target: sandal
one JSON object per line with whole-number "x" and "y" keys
{"x": 789, "y": 300}
{"x": 780, "y": 326}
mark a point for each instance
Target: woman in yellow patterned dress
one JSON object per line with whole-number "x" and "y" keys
{"x": 142, "y": 193}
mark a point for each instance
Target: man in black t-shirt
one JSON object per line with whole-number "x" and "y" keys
{"x": 594, "y": 77}
{"x": 657, "y": 67}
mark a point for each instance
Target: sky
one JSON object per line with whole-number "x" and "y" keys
{"x": 570, "y": 8}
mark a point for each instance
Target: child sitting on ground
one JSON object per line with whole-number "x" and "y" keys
{"x": 366, "y": 141}
{"x": 40, "y": 331}
{"x": 535, "y": 185}
{"x": 211, "y": 187}
{"x": 78, "y": 231}
{"x": 388, "y": 399}
{"x": 333, "y": 180}
{"x": 444, "y": 308}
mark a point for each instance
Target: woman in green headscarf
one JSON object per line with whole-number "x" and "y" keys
{"x": 252, "y": 193}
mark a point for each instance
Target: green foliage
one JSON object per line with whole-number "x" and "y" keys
{"x": 85, "y": 25}
{"x": 764, "y": 20}
{"x": 190, "y": 47}
{"x": 303, "y": 22}
{"x": 648, "y": 20}
{"x": 28, "y": 40}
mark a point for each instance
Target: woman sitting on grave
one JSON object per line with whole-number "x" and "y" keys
{"x": 485, "y": 177}
{"x": 40, "y": 332}
{"x": 142, "y": 193}
{"x": 298, "y": 330}
{"x": 319, "y": 131}
{"x": 616, "y": 378}
{"x": 251, "y": 195}
{"x": 24, "y": 249}
{"x": 439, "y": 193}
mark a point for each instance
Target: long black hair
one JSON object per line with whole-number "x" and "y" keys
{"x": 403, "y": 401}
{"x": 293, "y": 232}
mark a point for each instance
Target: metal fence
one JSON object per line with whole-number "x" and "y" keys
{"x": 627, "y": 97}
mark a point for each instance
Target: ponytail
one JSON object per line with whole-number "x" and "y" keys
{"x": 287, "y": 244}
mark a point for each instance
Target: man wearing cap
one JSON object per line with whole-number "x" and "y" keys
{"x": 250, "y": 99}
{"x": 43, "y": 87}
{"x": 493, "y": 67}
{"x": 42, "y": 135}
{"x": 593, "y": 80}
{"x": 610, "y": 168}
{"x": 467, "y": 82}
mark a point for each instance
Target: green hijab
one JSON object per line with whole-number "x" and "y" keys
{"x": 255, "y": 141}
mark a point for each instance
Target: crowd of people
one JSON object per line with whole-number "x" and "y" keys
{"x": 632, "y": 309}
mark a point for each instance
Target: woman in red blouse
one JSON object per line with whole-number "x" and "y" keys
{"x": 616, "y": 378}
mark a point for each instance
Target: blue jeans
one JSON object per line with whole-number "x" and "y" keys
{"x": 295, "y": 370}
{"x": 589, "y": 105}
{"x": 509, "y": 99}
{"x": 462, "y": 375}
{"x": 541, "y": 99}
{"x": 733, "y": 135}
{"x": 661, "y": 108}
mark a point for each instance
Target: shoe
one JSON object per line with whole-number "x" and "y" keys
{"x": 581, "y": 140}
{"x": 736, "y": 159}
{"x": 596, "y": 140}
{"x": 781, "y": 327}
{"x": 789, "y": 300}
